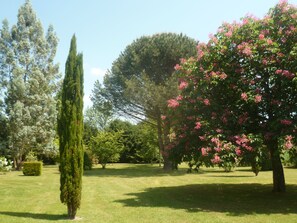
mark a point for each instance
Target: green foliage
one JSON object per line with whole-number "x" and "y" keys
{"x": 242, "y": 86}
{"x": 32, "y": 168}
{"x": 141, "y": 80}
{"x": 30, "y": 157}
{"x": 28, "y": 76}
{"x": 107, "y": 147}
{"x": 70, "y": 129}
{"x": 88, "y": 159}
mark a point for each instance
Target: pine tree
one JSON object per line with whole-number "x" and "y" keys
{"x": 28, "y": 79}
{"x": 70, "y": 129}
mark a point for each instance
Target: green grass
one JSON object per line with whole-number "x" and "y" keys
{"x": 144, "y": 193}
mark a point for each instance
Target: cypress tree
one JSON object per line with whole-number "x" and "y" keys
{"x": 70, "y": 129}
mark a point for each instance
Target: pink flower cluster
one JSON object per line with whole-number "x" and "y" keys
{"x": 198, "y": 125}
{"x": 173, "y": 103}
{"x": 288, "y": 143}
{"x": 258, "y": 98}
{"x": 243, "y": 141}
{"x": 177, "y": 67}
{"x": 216, "y": 159}
{"x": 285, "y": 73}
{"x": 200, "y": 50}
{"x": 244, "y": 96}
{"x": 183, "y": 85}
{"x": 286, "y": 122}
{"x": 245, "y": 49}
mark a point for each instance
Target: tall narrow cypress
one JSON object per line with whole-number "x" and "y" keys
{"x": 70, "y": 129}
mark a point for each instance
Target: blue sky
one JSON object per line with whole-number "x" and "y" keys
{"x": 105, "y": 27}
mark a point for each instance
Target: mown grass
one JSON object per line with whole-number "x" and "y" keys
{"x": 144, "y": 193}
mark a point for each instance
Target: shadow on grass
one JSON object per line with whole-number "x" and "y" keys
{"x": 140, "y": 170}
{"x": 234, "y": 199}
{"x": 39, "y": 216}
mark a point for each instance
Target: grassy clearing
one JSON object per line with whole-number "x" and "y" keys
{"x": 143, "y": 193}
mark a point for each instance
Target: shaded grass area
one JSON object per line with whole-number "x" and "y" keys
{"x": 144, "y": 193}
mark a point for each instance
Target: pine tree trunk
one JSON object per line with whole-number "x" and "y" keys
{"x": 167, "y": 162}
{"x": 277, "y": 167}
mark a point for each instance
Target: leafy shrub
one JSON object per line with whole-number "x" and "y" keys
{"x": 5, "y": 165}
{"x": 32, "y": 168}
{"x": 88, "y": 160}
{"x": 31, "y": 157}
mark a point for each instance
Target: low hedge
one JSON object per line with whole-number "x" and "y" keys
{"x": 32, "y": 168}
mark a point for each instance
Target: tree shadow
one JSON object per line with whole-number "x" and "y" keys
{"x": 234, "y": 199}
{"x": 38, "y": 216}
{"x": 140, "y": 170}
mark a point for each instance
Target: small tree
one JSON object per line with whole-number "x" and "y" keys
{"x": 70, "y": 129}
{"x": 107, "y": 146}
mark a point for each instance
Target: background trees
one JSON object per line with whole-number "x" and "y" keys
{"x": 241, "y": 90}
{"x": 140, "y": 80}
{"x": 28, "y": 83}
{"x": 70, "y": 130}
{"x": 107, "y": 146}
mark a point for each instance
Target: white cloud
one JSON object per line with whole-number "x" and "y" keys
{"x": 98, "y": 72}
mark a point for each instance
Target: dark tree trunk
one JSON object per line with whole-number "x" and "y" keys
{"x": 71, "y": 211}
{"x": 167, "y": 162}
{"x": 277, "y": 167}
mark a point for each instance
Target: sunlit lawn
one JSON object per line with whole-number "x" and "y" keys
{"x": 143, "y": 193}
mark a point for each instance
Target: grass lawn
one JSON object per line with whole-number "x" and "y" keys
{"x": 144, "y": 193}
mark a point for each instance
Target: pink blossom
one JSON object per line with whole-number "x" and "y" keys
{"x": 218, "y": 149}
{"x": 286, "y": 122}
{"x": 183, "y": 85}
{"x": 245, "y": 21}
{"x": 204, "y": 152}
{"x": 200, "y": 52}
{"x": 179, "y": 98}
{"x": 202, "y": 138}
{"x": 198, "y": 125}
{"x": 228, "y": 34}
{"x": 289, "y": 137}
{"x": 279, "y": 71}
{"x": 292, "y": 28}
{"x": 238, "y": 151}
{"x": 183, "y": 60}
{"x": 177, "y": 67}
{"x": 223, "y": 76}
{"x": 173, "y": 103}
{"x": 288, "y": 145}
{"x": 219, "y": 130}
{"x": 247, "y": 51}
{"x": 269, "y": 42}
{"x": 288, "y": 74}
{"x": 206, "y": 102}
{"x": 163, "y": 117}
{"x": 258, "y": 98}
{"x": 261, "y": 36}
{"x": 244, "y": 96}
{"x": 216, "y": 159}
{"x": 264, "y": 62}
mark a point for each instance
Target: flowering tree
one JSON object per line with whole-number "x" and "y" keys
{"x": 241, "y": 90}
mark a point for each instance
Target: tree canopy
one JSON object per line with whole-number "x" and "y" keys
{"x": 28, "y": 77}
{"x": 241, "y": 91}
{"x": 140, "y": 80}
